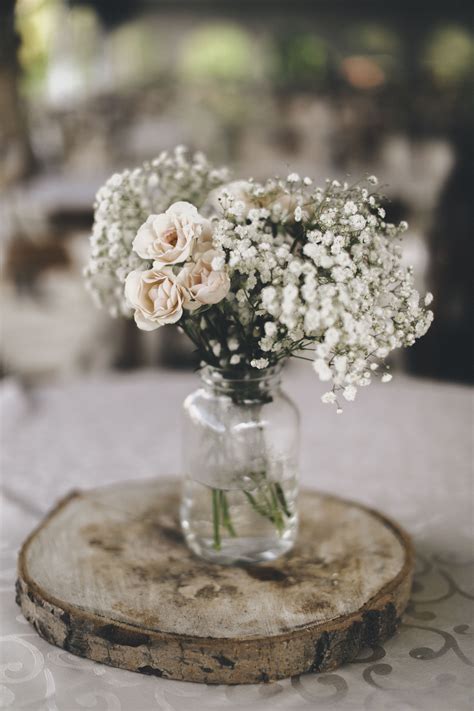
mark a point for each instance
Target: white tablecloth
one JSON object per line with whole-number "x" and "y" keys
{"x": 403, "y": 447}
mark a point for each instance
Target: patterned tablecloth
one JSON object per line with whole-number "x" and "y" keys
{"x": 403, "y": 447}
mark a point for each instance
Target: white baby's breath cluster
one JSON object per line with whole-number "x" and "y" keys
{"x": 273, "y": 270}
{"x": 317, "y": 273}
{"x": 124, "y": 203}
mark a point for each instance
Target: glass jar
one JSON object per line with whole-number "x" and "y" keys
{"x": 241, "y": 442}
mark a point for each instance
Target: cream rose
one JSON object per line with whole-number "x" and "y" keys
{"x": 204, "y": 284}
{"x": 157, "y": 297}
{"x": 169, "y": 238}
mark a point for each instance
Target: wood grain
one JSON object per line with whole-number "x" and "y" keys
{"x": 107, "y": 576}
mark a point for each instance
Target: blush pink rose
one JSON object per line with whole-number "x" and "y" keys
{"x": 169, "y": 238}
{"x": 157, "y": 297}
{"x": 204, "y": 284}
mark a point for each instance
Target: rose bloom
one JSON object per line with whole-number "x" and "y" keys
{"x": 204, "y": 284}
{"x": 169, "y": 238}
{"x": 157, "y": 297}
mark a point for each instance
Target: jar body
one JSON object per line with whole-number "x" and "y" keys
{"x": 240, "y": 456}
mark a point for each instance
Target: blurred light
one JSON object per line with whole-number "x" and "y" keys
{"x": 372, "y": 38}
{"x": 134, "y": 54}
{"x": 450, "y": 54}
{"x": 36, "y": 22}
{"x": 58, "y": 49}
{"x": 362, "y": 72}
{"x": 304, "y": 58}
{"x": 221, "y": 51}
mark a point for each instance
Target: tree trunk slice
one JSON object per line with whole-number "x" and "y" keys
{"x": 108, "y": 576}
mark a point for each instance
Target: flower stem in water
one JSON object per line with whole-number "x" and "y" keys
{"x": 216, "y": 518}
{"x": 225, "y": 514}
{"x": 281, "y": 498}
{"x": 276, "y": 513}
{"x": 257, "y": 506}
{"x": 269, "y": 502}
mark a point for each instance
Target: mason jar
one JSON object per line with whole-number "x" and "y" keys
{"x": 240, "y": 456}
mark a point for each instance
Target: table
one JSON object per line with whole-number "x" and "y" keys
{"x": 403, "y": 447}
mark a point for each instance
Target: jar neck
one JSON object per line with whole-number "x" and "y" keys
{"x": 249, "y": 386}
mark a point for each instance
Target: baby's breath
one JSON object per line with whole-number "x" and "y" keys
{"x": 315, "y": 273}
{"x": 320, "y": 279}
{"x": 123, "y": 204}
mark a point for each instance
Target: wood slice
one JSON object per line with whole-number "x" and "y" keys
{"x": 108, "y": 576}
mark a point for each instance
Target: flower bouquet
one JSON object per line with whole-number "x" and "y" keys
{"x": 253, "y": 273}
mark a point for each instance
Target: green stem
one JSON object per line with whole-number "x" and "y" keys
{"x": 268, "y": 501}
{"x": 257, "y": 506}
{"x": 281, "y": 498}
{"x": 225, "y": 514}
{"x": 272, "y": 504}
{"x": 216, "y": 519}
{"x": 278, "y": 518}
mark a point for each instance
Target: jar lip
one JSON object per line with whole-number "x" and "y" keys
{"x": 213, "y": 374}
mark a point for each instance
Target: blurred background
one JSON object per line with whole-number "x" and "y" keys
{"x": 328, "y": 88}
